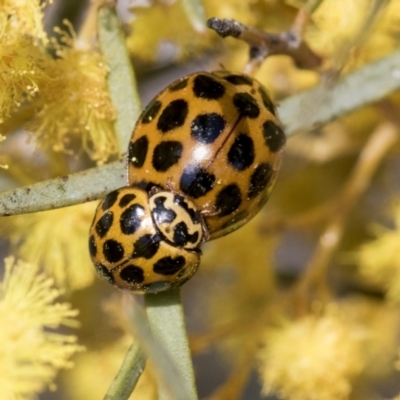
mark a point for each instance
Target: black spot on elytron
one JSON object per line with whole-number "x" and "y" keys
{"x": 147, "y": 186}
{"x": 161, "y": 214}
{"x": 166, "y": 154}
{"x": 126, "y": 199}
{"x": 196, "y": 182}
{"x": 207, "y": 88}
{"x": 92, "y": 246}
{"x": 241, "y": 153}
{"x": 246, "y": 105}
{"x": 239, "y": 80}
{"x": 146, "y": 246}
{"x": 104, "y": 223}
{"x": 173, "y": 115}
{"x": 104, "y": 273}
{"x": 228, "y": 200}
{"x": 131, "y": 219}
{"x": 109, "y": 200}
{"x": 151, "y": 111}
{"x": 132, "y": 274}
{"x": 178, "y": 85}
{"x": 168, "y": 265}
{"x": 113, "y": 251}
{"x": 259, "y": 179}
{"x": 206, "y": 128}
{"x": 182, "y": 236}
{"x": 194, "y": 215}
{"x": 137, "y": 151}
{"x": 269, "y": 105}
{"x": 273, "y": 136}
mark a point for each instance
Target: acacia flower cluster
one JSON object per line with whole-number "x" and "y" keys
{"x": 31, "y": 350}
{"x": 313, "y": 358}
{"x": 56, "y": 239}
{"x": 67, "y": 94}
{"x": 379, "y": 259}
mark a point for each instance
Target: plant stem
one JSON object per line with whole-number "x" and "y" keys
{"x": 121, "y": 79}
{"x": 302, "y": 112}
{"x": 318, "y": 106}
{"x": 64, "y": 191}
{"x": 265, "y": 44}
{"x": 379, "y": 144}
{"x": 128, "y": 375}
{"x": 166, "y": 356}
{"x": 165, "y": 314}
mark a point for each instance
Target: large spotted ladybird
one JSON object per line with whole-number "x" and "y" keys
{"x": 202, "y": 161}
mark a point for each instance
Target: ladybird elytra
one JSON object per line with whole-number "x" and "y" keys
{"x": 202, "y": 161}
{"x": 216, "y": 139}
{"x": 129, "y": 251}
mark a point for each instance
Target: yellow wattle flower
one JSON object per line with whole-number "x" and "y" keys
{"x": 379, "y": 259}
{"x": 21, "y": 70}
{"x": 74, "y": 103}
{"x": 56, "y": 239}
{"x": 313, "y": 358}
{"x": 30, "y": 354}
{"x": 25, "y": 17}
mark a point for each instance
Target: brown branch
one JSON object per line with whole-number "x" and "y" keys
{"x": 313, "y": 282}
{"x": 263, "y": 44}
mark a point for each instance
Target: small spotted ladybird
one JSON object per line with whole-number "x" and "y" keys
{"x": 202, "y": 161}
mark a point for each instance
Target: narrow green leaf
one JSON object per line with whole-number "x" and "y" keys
{"x": 64, "y": 191}
{"x": 121, "y": 79}
{"x": 196, "y": 14}
{"x": 300, "y": 113}
{"x": 152, "y": 338}
{"x": 324, "y": 103}
{"x": 165, "y": 313}
{"x": 131, "y": 369}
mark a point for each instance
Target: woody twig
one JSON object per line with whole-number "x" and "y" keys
{"x": 263, "y": 44}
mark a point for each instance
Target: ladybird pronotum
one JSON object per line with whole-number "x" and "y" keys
{"x": 202, "y": 161}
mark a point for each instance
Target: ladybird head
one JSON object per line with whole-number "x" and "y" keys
{"x": 145, "y": 244}
{"x": 177, "y": 219}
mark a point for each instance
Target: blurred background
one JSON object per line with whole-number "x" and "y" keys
{"x": 274, "y": 311}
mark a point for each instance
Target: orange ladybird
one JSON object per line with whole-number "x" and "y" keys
{"x": 202, "y": 161}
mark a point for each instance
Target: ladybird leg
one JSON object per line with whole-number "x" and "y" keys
{"x": 209, "y": 211}
{"x": 206, "y": 234}
{"x": 154, "y": 190}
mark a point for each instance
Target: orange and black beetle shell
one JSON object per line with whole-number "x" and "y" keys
{"x": 215, "y": 138}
